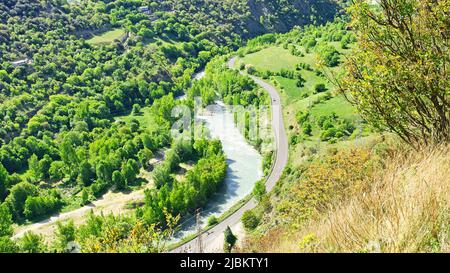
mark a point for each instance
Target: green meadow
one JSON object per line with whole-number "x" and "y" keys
{"x": 107, "y": 37}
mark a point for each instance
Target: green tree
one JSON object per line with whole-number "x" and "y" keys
{"x": 3, "y": 182}
{"x": 18, "y": 195}
{"x": 68, "y": 154}
{"x": 161, "y": 175}
{"x": 84, "y": 196}
{"x": 103, "y": 171}
{"x": 119, "y": 180}
{"x": 6, "y": 231}
{"x": 5, "y": 221}
{"x": 34, "y": 167}
{"x": 32, "y": 243}
{"x": 259, "y": 190}
{"x": 250, "y": 220}
{"x": 86, "y": 173}
{"x": 398, "y": 75}
{"x": 320, "y": 87}
{"x": 44, "y": 166}
{"x": 136, "y": 109}
{"x": 229, "y": 240}
{"x": 307, "y": 128}
{"x": 212, "y": 220}
{"x": 130, "y": 171}
{"x": 7, "y": 245}
{"x": 57, "y": 170}
{"x": 329, "y": 55}
{"x": 65, "y": 234}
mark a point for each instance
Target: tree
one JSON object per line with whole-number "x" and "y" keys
{"x": 65, "y": 234}
{"x": 250, "y": 220}
{"x": 7, "y": 245}
{"x": 229, "y": 240}
{"x": 68, "y": 154}
{"x": 119, "y": 180}
{"x": 18, "y": 195}
{"x": 320, "y": 87}
{"x": 212, "y": 220}
{"x": 259, "y": 190}
{"x": 37, "y": 206}
{"x": 130, "y": 171}
{"x": 329, "y": 55}
{"x": 103, "y": 171}
{"x": 161, "y": 175}
{"x": 33, "y": 165}
{"x": 44, "y": 166}
{"x": 56, "y": 171}
{"x": 86, "y": 173}
{"x": 3, "y": 182}
{"x": 136, "y": 109}
{"x": 5, "y": 222}
{"x": 397, "y": 76}
{"x": 84, "y": 196}
{"x": 307, "y": 128}
{"x": 32, "y": 243}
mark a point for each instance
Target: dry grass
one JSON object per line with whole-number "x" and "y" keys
{"x": 406, "y": 209}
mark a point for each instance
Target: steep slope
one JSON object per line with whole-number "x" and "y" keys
{"x": 378, "y": 198}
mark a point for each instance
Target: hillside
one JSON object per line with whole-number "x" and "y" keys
{"x": 355, "y": 182}
{"x": 379, "y": 197}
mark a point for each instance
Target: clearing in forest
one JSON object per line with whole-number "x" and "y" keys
{"x": 273, "y": 58}
{"x": 107, "y": 37}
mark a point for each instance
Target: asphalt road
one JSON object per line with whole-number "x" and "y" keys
{"x": 211, "y": 239}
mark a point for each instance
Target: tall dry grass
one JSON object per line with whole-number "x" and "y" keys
{"x": 406, "y": 209}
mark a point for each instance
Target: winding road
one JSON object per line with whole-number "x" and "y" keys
{"x": 212, "y": 239}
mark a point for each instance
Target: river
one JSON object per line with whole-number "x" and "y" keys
{"x": 244, "y": 165}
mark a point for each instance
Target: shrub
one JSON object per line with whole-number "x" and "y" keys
{"x": 259, "y": 190}
{"x": 307, "y": 128}
{"x": 250, "y": 220}
{"x": 329, "y": 55}
{"x": 320, "y": 87}
{"x": 38, "y": 206}
{"x": 212, "y": 220}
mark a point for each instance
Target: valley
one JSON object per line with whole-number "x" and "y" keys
{"x": 224, "y": 126}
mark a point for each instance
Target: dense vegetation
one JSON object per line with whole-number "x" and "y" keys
{"x": 398, "y": 77}
{"x": 302, "y": 64}
{"x": 87, "y": 89}
{"x": 369, "y": 194}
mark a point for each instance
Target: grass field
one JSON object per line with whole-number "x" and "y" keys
{"x": 144, "y": 117}
{"x": 273, "y": 58}
{"x": 337, "y": 105}
{"x": 295, "y": 99}
{"x": 293, "y": 93}
{"x": 107, "y": 37}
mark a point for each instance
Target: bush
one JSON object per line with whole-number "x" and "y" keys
{"x": 250, "y": 220}
{"x": 307, "y": 128}
{"x": 38, "y": 206}
{"x": 212, "y": 220}
{"x": 259, "y": 190}
{"x": 330, "y": 55}
{"x": 320, "y": 87}
{"x": 18, "y": 195}
{"x": 136, "y": 109}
